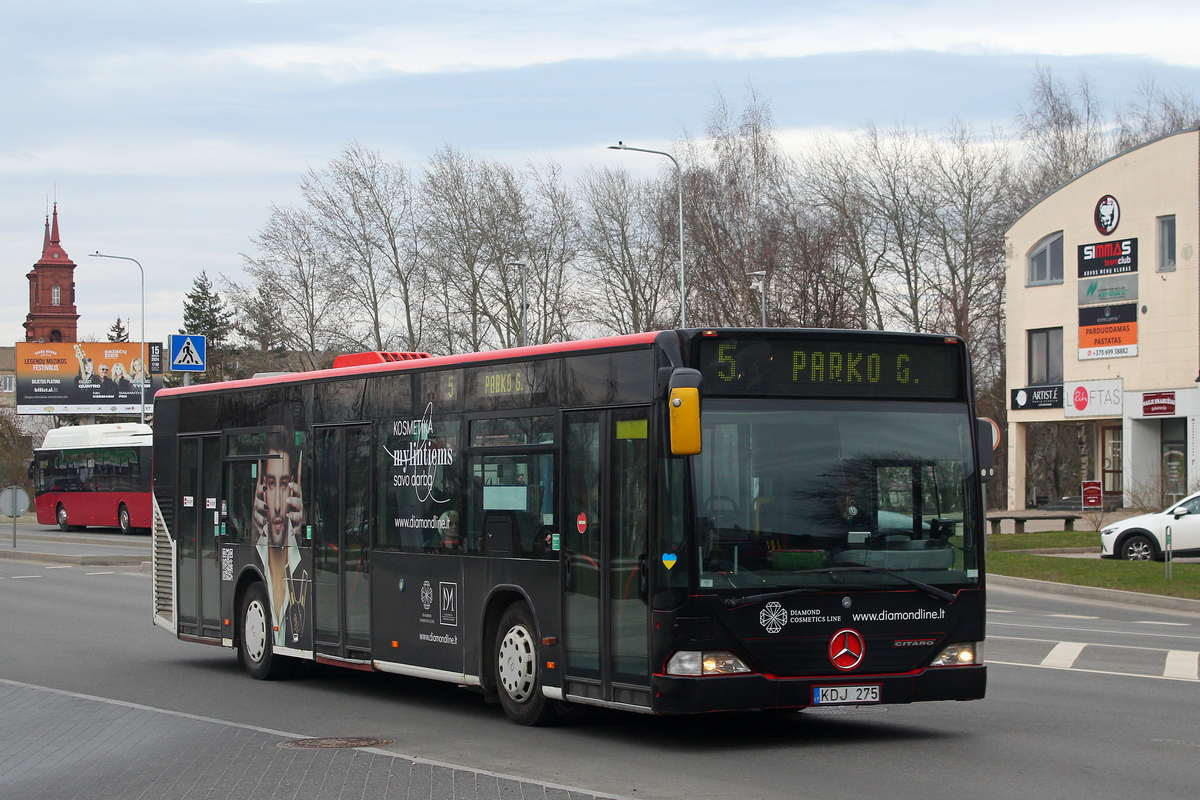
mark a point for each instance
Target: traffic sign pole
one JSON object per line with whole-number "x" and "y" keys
{"x": 14, "y": 501}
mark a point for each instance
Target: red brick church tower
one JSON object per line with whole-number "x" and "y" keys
{"x": 52, "y": 316}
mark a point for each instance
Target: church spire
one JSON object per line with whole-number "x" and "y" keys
{"x": 54, "y": 232}
{"x": 52, "y": 251}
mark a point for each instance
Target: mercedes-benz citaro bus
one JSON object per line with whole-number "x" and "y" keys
{"x": 671, "y": 522}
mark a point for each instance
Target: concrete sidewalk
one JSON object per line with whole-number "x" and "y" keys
{"x": 56, "y": 744}
{"x": 91, "y": 548}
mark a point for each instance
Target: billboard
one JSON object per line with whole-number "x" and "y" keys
{"x": 86, "y": 377}
{"x": 1108, "y": 331}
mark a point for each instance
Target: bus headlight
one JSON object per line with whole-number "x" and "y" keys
{"x": 712, "y": 662}
{"x": 957, "y": 655}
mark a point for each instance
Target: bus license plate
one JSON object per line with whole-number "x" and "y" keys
{"x": 830, "y": 695}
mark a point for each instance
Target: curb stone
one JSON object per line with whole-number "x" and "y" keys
{"x": 1096, "y": 593}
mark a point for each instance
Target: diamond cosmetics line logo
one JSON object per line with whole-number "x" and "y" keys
{"x": 773, "y": 617}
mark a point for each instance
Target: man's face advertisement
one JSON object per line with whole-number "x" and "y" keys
{"x": 279, "y": 497}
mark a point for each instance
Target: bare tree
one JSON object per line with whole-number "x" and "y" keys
{"x": 294, "y": 267}
{"x": 732, "y": 181}
{"x": 1155, "y": 112}
{"x": 1064, "y": 132}
{"x": 627, "y": 243}
{"x": 832, "y": 179}
{"x": 969, "y": 186}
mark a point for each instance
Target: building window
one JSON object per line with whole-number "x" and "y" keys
{"x": 8, "y": 383}
{"x": 1166, "y": 243}
{"x": 1046, "y": 357}
{"x": 55, "y": 296}
{"x": 1046, "y": 261}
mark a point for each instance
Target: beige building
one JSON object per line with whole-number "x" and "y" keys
{"x": 8, "y": 377}
{"x": 1103, "y": 321}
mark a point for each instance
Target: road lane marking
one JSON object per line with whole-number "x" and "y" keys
{"x": 1064, "y": 654}
{"x": 1089, "y": 644}
{"x": 1001, "y": 611}
{"x": 1182, "y": 664}
{"x": 1095, "y": 630}
{"x": 1070, "y": 616}
{"x": 61, "y": 566}
{"x": 18, "y": 577}
{"x": 1156, "y": 622}
{"x": 1176, "y": 741}
{"x": 97, "y": 573}
{"x": 1092, "y": 671}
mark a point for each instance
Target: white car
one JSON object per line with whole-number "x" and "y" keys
{"x": 1144, "y": 537}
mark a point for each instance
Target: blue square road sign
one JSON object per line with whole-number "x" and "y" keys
{"x": 188, "y": 351}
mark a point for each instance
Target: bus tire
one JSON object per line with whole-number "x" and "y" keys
{"x": 123, "y": 520}
{"x": 518, "y": 680}
{"x": 254, "y": 644}
{"x": 60, "y": 516}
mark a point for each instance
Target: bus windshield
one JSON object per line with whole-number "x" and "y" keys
{"x": 801, "y": 493}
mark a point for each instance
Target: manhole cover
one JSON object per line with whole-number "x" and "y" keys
{"x": 335, "y": 742}
{"x": 844, "y": 711}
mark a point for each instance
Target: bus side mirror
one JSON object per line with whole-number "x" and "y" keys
{"x": 985, "y": 431}
{"x": 683, "y": 399}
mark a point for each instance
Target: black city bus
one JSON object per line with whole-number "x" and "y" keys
{"x": 670, "y": 522}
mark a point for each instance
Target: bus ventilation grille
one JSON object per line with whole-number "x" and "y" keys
{"x": 374, "y": 357}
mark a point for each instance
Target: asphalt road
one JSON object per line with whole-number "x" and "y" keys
{"x": 1077, "y": 707}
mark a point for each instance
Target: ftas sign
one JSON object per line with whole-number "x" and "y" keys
{"x": 1093, "y": 398}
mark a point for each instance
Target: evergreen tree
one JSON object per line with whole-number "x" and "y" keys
{"x": 205, "y": 313}
{"x": 119, "y": 332}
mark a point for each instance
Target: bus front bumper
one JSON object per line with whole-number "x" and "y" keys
{"x": 674, "y": 694}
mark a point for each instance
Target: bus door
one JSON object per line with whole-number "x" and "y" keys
{"x": 199, "y": 579}
{"x": 341, "y": 539}
{"x": 606, "y": 471}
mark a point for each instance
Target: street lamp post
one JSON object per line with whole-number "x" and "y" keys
{"x": 145, "y": 366}
{"x": 679, "y": 178}
{"x": 524, "y": 301}
{"x": 761, "y": 285}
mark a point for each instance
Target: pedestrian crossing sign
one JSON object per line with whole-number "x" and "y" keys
{"x": 187, "y": 352}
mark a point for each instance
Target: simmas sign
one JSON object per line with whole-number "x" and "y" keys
{"x": 1107, "y": 258}
{"x": 86, "y": 377}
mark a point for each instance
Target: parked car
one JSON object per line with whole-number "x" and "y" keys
{"x": 1144, "y": 537}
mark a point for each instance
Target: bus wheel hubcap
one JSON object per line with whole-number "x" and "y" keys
{"x": 255, "y": 631}
{"x": 516, "y": 663}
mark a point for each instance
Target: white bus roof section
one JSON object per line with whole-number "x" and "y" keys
{"x": 109, "y": 435}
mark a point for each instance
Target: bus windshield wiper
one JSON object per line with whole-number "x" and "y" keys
{"x": 932, "y": 591}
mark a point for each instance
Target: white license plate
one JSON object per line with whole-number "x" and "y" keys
{"x": 831, "y": 695}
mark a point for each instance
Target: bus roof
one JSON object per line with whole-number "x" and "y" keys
{"x": 533, "y": 351}
{"x": 108, "y": 435}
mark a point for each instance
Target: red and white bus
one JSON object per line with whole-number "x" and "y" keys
{"x": 669, "y": 522}
{"x": 94, "y": 475}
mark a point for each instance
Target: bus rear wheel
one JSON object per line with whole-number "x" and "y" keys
{"x": 60, "y": 514}
{"x": 254, "y": 644}
{"x": 123, "y": 520}
{"x": 518, "y": 680}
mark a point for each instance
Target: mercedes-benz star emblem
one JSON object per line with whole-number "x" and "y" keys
{"x": 846, "y": 649}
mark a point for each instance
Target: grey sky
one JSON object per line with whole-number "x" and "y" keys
{"x": 167, "y": 130}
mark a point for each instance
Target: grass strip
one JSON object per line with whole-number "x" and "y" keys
{"x": 1041, "y": 541}
{"x": 1131, "y": 576}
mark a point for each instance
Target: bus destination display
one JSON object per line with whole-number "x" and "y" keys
{"x": 829, "y": 367}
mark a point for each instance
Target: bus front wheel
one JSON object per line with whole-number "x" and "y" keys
{"x": 254, "y": 644}
{"x": 60, "y": 514}
{"x": 516, "y": 669}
